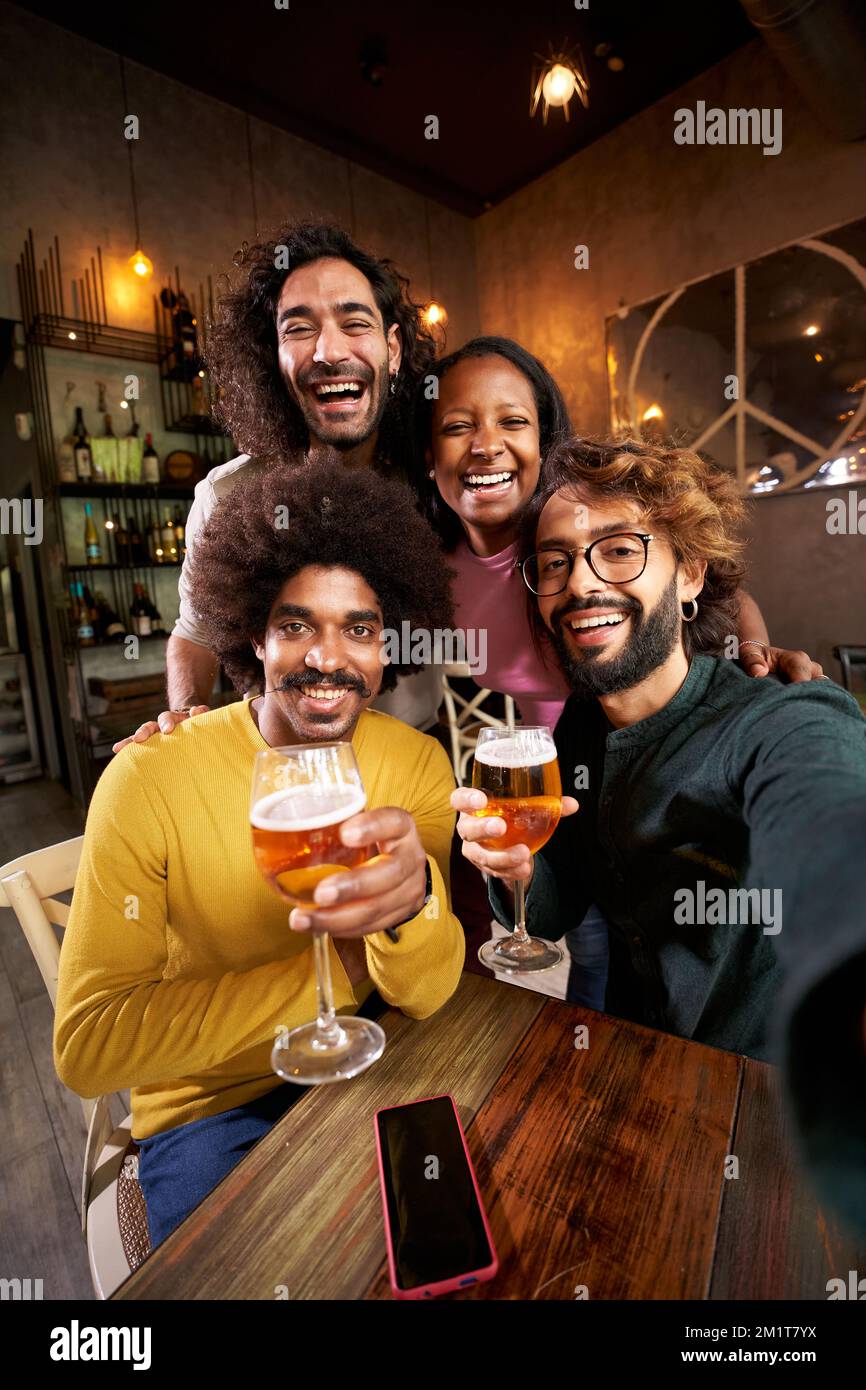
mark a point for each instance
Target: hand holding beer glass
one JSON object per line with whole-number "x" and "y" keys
{"x": 518, "y": 773}
{"x": 300, "y": 798}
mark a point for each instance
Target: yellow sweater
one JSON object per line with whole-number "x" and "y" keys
{"x": 178, "y": 967}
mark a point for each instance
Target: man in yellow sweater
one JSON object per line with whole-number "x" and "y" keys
{"x": 179, "y": 965}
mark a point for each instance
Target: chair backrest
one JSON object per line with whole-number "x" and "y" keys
{"x": 849, "y": 658}
{"x": 465, "y": 714}
{"x": 27, "y": 885}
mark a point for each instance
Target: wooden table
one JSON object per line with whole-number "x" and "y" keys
{"x": 601, "y": 1167}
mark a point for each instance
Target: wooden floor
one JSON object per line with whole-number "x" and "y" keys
{"x": 41, "y": 1123}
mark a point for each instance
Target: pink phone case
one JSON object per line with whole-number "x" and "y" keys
{"x": 466, "y": 1277}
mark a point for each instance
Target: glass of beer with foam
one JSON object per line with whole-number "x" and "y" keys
{"x": 300, "y": 798}
{"x": 518, "y": 772}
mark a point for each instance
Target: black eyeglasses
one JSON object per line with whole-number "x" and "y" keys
{"x": 615, "y": 559}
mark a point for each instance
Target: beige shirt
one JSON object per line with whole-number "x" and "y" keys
{"x": 415, "y": 700}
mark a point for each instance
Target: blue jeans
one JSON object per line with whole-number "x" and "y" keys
{"x": 179, "y": 1167}
{"x": 588, "y": 948}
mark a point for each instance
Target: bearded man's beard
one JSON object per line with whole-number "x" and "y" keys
{"x": 652, "y": 639}
{"x": 332, "y": 435}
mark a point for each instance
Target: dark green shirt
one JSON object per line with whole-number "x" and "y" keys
{"x": 737, "y": 784}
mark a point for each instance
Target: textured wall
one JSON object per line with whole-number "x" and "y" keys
{"x": 655, "y": 214}
{"x": 64, "y": 170}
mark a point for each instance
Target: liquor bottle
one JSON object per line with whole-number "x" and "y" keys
{"x": 111, "y": 451}
{"x": 66, "y": 471}
{"x": 72, "y": 606}
{"x": 92, "y": 548}
{"x": 139, "y": 611}
{"x": 156, "y": 623}
{"x": 137, "y": 555}
{"x": 179, "y": 532}
{"x": 156, "y": 542}
{"x": 184, "y": 334}
{"x": 85, "y": 635}
{"x": 83, "y": 456}
{"x": 169, "y": 543}
{"x": 110, "y": 627}
{"x": 121, "y": 541}
{"x": 149, "y": 462}
{"x": 199, "y": 396}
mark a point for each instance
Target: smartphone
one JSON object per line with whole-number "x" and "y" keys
{"x": 435, "y": 1226}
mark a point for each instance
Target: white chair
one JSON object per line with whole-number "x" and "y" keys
{"x": 467, "y": 716}
{"x": 113, "y": 1212}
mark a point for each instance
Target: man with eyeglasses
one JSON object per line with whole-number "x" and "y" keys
{"x": 722, "y": 820}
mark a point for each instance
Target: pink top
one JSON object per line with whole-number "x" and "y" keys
{"x": 489, "y": 593}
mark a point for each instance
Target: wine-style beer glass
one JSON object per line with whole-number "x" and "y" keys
{"x": 518, "y": 772}
{"x": 300, "y": 798}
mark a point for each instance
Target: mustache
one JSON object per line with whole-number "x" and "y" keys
{"x": 573, "y": 605}
{"x": 299, "y": 680}
{"x": 318, "y": 374}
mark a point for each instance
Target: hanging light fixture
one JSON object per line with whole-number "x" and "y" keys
{"x": 140, "y": 264}
{"x": 556, "y": 79}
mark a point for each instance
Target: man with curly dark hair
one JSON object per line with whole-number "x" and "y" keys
{"x": 317, "y": 352}
{"x": 299, "y": 583}
{"x": 722, "y": 819}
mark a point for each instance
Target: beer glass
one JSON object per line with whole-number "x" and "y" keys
{"x": 518, "y": 772}
{"x": 300, "y": 798}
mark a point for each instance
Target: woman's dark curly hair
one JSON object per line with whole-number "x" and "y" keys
{"x": 553, "y": 423}
{"x": 334, "y": 516}
{"x": 692, "y": 501}
{"x": 254, "y": 403}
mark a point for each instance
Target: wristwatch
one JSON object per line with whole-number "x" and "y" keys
{"x": 391, "y": 932}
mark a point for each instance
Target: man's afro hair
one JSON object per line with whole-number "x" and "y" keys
{"x": 277, "y": 521}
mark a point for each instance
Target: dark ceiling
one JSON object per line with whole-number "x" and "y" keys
{"x": 468, "y": 63}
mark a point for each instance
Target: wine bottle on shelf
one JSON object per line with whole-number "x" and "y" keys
{"x": 73, "y": 609}
{"x": 112, "y": 451}
{"x": 66, "y": 472}
{"x": 199, "y": 396}
{"x": 156, "y": 542}
{"x": 179, "y": 532}
{"x": 140, "y": 612}
{"x": 92, "y": 547}
{"x": 111, "y": 629}
{"x": 156, "y": 624}
{"x": 84, "y": 633}
{"x": 81, "y": 447}
{"x": 185, "y": 346}
{"x": 169, "y": 543}
{"x": 149, "y": 462}
{"x": 147, "y": 538}
{"x": 121, "y": 541}
{"x": 136, "y": 551}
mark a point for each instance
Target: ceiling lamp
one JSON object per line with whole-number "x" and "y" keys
{"x": 140, "y": 264}
{"x": 556, "y": 81}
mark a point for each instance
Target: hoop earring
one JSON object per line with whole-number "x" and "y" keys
{"x": 690, "y": 618}
{"x": 432, "y": 473}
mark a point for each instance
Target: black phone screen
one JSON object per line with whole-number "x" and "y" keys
{"x": 437, "y": 1228}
